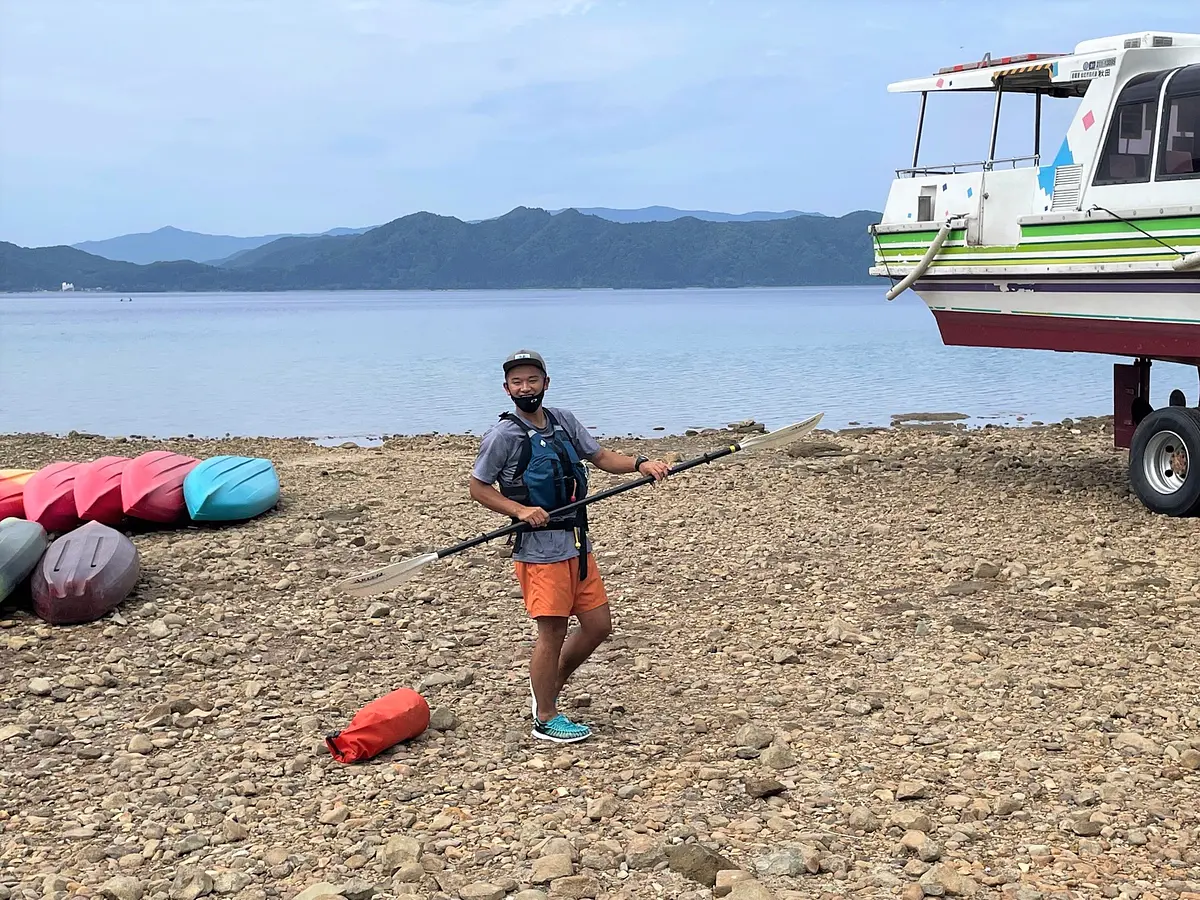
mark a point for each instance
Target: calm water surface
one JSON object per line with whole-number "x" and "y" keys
{"x": 361, "y": 364}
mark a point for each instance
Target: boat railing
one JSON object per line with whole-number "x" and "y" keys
{"x": 983, "y": 165}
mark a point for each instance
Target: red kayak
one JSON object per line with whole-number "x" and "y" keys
{"x": 50, "y": 496}
{"x": 152, "y": 486}
{"x": 98, "y": 490}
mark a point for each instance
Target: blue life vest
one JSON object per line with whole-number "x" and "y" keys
{"x": 550, "y": 474}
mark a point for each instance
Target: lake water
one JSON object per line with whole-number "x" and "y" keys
{"x": 355, "y": 365}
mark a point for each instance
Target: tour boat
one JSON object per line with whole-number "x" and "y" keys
{"x": 1095, "y": 249}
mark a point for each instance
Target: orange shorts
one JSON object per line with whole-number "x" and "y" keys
{"x": 554, "y": 589}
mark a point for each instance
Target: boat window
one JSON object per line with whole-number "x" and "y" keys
{"x": 1179, "y": 150}
{"x": 1129, "y": 146}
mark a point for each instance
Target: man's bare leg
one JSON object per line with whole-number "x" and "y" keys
{"x": 544, "y": 664}
{"x": 595, "y": 626}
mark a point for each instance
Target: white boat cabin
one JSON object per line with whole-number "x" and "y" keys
{"x": 1133, "y": 146}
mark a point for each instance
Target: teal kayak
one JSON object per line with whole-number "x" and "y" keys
{"x": 230, "y": 488}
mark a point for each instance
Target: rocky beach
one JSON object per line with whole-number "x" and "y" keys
{"x": 910, "y": 662}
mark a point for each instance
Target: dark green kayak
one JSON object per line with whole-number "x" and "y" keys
{"x": 22, "y": 544}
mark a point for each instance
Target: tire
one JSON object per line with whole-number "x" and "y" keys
{"x": 1164, "y": 440}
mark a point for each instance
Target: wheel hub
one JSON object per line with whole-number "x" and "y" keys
{"x": 1165, "y": 462}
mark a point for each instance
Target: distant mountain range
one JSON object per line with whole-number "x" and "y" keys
{"x": 669, "y": 214}
{"x": 525, "y": 248}
{"x": 169, "y": 243}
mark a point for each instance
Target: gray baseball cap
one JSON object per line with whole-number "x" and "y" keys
{"x": 524, "y": 358}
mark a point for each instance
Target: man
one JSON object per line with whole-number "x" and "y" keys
{"x": 535, "y": 453}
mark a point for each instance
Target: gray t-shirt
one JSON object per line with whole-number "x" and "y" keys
{"x": 499, "y": 452}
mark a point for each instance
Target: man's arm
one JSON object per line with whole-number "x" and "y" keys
{"x": 497, "y": 502}
{"x": 620, "y": 464}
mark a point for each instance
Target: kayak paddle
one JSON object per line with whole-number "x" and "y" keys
{"x": 389, "y": 577}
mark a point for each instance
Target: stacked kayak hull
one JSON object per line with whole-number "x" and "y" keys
{"x": 22, "y": 545}
{"x": 50, "y": 496}
{"x": 230, "y": 488}
{"x": 98, "y": 490}
{"x": 12, "y": 492}
{"x": 84, "y": 575}
{"x": 152, "y": 486}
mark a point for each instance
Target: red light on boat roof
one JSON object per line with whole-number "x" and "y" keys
{"x": 987, "y": 62}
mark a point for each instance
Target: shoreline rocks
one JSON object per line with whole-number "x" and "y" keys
{"x": 901, "y": 663}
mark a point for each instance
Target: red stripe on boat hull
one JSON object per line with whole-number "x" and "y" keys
{"x": 1158, "y": 340}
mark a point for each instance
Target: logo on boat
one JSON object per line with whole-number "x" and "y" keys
{"x": 1096, "y": 68}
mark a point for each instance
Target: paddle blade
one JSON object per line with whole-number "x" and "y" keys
{"x": 781, "y": 437}
{"x": 385, "y": 579}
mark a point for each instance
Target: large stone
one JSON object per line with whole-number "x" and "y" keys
{"x": 697, "y": 863}
{"x": 1134, "y": 743}
{"x": 790, "y": 861}
{"x": 603, "y": 807}
{"x": 548, "y": 868}
{"x": 398, "y": 850}
{"x": 778, "y": 757}
{"x": 949, "y": 881}
{"x": 191, "y": 884}
{"x": 644, "y": 852}
{"x": 912, "y": 790}
{"x": 753, "y": 736}
{"x": 758, "y": 786}
{"x": 357, "y": 889}
{"x": 123, "y": 887}
{"x": 481, "y": 890}
{"x": 727, "y": 878}
{"x": 750, "y": 890}
{"x": 443, "y": 719}
{"x": 575, "y": 887}
{"x": 318, "y": 890}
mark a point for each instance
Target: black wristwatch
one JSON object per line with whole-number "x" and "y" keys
{"x": 637, "y": 463}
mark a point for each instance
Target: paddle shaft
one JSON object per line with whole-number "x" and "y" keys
{"x": 592, "y": 498}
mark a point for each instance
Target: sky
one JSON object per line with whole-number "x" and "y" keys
{"x": 252, "y": 117}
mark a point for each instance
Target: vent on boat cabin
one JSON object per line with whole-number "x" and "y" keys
{"x": 1068, "y": 185}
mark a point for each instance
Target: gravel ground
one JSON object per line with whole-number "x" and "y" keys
{"x": 901, "y": 663}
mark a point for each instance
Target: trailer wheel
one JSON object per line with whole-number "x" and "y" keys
{"x": 1164, "y": 461}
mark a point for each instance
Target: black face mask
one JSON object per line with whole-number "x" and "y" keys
{"x": 529, "y": 404}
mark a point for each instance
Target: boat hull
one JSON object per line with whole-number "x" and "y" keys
{"x": 230, "y": 488}
{"x": 152, "y": 486}
{"x": 98, "y": 490}
{"x": 12, "y": 492}
{"x": 1134, "y": 315}
{"x": 50, "y": 496}
{"x": 22, "y": 544}
{"x": 84, "y": 575}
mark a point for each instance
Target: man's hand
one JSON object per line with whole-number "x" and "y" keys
{"x": 534, "y": 516}
{"x": 655, "y": 467}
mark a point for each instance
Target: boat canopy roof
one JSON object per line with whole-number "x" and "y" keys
{"x": 1056, "y": 74}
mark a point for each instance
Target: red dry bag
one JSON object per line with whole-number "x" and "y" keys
{"x": 382, "y": 723}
